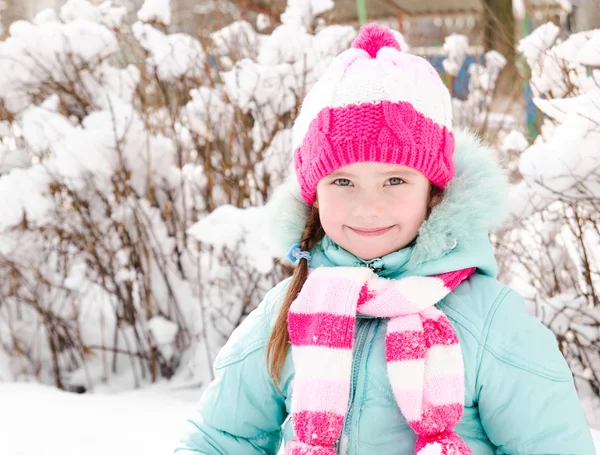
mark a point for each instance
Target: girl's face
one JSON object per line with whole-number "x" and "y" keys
{"x": 373, "y": 209}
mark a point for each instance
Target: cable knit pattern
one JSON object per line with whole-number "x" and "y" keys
{"x": 375, "y": 103}
{"x": 424, "y": 360}
{"x": 384, "y": 132}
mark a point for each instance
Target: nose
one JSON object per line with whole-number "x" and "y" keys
{"x": 368, "y": 204}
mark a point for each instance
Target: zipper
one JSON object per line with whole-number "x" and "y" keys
{"x": 361, "y": 336}
{"x": 363, "y": 330}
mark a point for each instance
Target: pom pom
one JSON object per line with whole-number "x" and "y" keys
{"x": 373, "y": 37}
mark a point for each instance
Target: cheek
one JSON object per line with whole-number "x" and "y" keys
{"x": 333, "y": 208}
{"x": 410, "y": 207}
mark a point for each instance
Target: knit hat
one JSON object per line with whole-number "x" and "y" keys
{"x": 375, "y": 103}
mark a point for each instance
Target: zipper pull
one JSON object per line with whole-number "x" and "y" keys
{"x": 375, "y": 264}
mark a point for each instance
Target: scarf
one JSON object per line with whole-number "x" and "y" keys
{"x": 424, "y": 360}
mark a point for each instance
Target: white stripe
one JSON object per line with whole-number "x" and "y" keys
{"x": 377, "y": 80}
{"x": 405, "y": 324}
{"x": 433, "y": 448}
{"x": 423, "y": 290}
{"x": 407, "y": 374}
{"x": 370, "y": 81}
{"x": 444, "y": 361}
{"x": 357, "y": 274}
{"x": 316, "y": 362}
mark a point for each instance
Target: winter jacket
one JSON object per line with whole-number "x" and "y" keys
{"x": 519, "y": 392}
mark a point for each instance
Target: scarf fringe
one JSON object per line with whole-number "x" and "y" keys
{"x": 296, "y": 447}
{"x": 446, "y": 443}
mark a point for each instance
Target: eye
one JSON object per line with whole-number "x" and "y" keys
{"x": 395, "y": 181}
{"x": 342, "y": 182}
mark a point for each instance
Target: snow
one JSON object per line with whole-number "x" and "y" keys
{"x": 162, "y": 330}
{"x": 80, "y": 9}
{"x": 262, "y": 22}
{"x": 251, "y": 84}
{"x": 514, "y": 141}
{"x": 545, "y": 64}
{"x": 589, "y": 53}
{"x": 155, "y": 11}
{"x": 112, "y": 16}
{"x": 208, "y": 114}
{"x": 52, "y": 51}
{"x": 535, "y": 44}
{"x": 555, "y": 245}
{"x": 238, "y": 38}
{"x": 163, "y": 333}
{"x": 304, "y": 12}
{"x": 518, "y": 9}
{"x": 239, "y": 230}
{"x": 47, "y": 15}
{"x": 20, "y": 196}
{"x": 475, "y": 111}
{"x": 37, "y": 420}
{"x": 560, "y": 168}
{"x": 456, "y": 47}
{"x": 170, "y": 56}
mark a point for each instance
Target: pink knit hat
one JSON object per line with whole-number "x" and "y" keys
{"x": 375, "y": 103}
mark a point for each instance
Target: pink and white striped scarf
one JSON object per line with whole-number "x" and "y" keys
{"x": 424, "y": 360}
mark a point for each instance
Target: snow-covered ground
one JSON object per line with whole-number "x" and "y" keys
{"x": 41, "y": 420}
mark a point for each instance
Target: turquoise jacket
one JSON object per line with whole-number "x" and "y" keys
{"x": 519, "y": 392}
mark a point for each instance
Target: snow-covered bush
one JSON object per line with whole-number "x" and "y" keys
{"x": 550, "y": 252}
{"x": 116, "y": 142}
{"x": 474, "y": 112}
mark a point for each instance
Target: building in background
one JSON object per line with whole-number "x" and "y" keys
{"x": 423, "y": 22}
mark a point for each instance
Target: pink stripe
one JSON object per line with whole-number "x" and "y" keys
{"x": 404, "y": 346}
{"x": 443, "y": 390}
{"x": 321, "y": 395}
{"x": 453, "y": 279}
{"x": 321, "y": 329}
{"x": 436, "y": 419}
{"x": 365, "y": 295}
{"x": 439, "y": 332}
{"x": 326, "y": 426}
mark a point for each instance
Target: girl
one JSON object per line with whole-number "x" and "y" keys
{"x": 393, "y": 336}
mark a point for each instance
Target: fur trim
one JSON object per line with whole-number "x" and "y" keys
{"x": 475, "y": 200}
{"x": 287, "y": 214}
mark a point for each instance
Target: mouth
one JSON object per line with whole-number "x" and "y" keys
{"x": 373, "y": 232}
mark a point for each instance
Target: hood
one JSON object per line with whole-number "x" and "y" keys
{"x": 454, "y": 236}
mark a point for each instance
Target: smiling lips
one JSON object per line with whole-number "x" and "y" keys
{"x": 374, "y": 232}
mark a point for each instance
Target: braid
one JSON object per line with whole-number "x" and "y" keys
{"x": 279, "y": 339}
